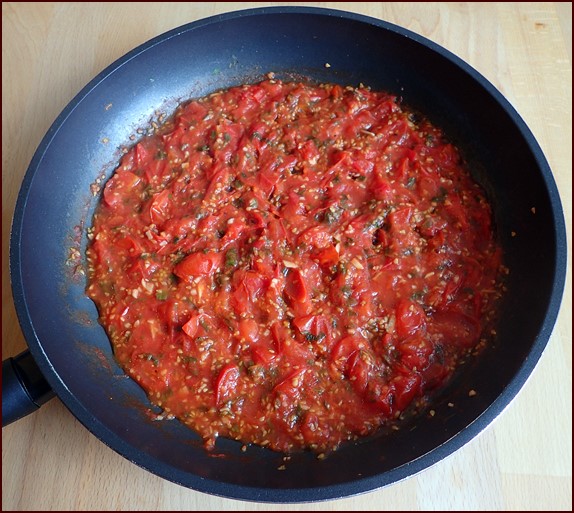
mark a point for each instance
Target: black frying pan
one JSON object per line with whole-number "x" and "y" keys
{"x": 55, "y": 206}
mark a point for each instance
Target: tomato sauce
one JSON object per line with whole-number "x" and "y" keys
{"x": 293, "y": 265}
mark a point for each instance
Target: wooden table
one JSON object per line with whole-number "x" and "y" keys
{"x": 522, "y": 461}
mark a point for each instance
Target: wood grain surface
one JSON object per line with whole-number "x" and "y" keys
{"x": 522, "y": 461}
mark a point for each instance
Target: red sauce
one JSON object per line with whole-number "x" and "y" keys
{"x": 292, "y": 265}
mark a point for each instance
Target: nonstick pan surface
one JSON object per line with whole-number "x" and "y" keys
{"x": 60, "y": 323}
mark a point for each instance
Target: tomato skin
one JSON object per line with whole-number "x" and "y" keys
{"x": 316, "y": 236}
{"x": 406, "y": 388}
{"x": 249, "y": 330}
{"x": 328, "y": 256}
{"x": 415, "y": 352}
{"x": 119, "y": 188}
{"x": 198, "y": 264}
{"x": 360, "y": 370}
{"x": 247, "y": 287}
{"x": 262, "y": 355}
{"x": 344, "y": 349}
{"x": 279, "y": 335}
{"x": 226, "y": 383}
{"x": 290, "y": 385}
{"x": 295, "y": 287}
{"x": 410, "y": 318}
{"x": 159, "y": 208}
{"x": 191, "y": 327}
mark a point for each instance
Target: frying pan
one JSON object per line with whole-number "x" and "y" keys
{"x": 69, "y": 353}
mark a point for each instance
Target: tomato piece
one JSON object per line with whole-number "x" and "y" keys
{"x": 410, "y": 317}
{"x": 207, "y": 225}
{"x": 246, "y": 103}
{"x": 267, "y": 176}
{"x": 144, "y": 154}
{"x": 399, "y": 220}
{"x": 381, "y": 188}
{"x": 315, "y": 330}
{"x": 249, "y": 330}
{"x": 132, "y": 244}
{"x": 198, "y": 264}
{"x": 233, "y": 233}
{"x": 193, "y": 110}
{"x": 406, "y": 388}
{"x": 434, "y": 375}
{"x": 289, "y": 392}
{"x": 216, "y": 185}
{"x": 344, "y": 349}
{"x": 173, "y": 312}
{"x": 226, "y": 383}
{"x": 431, "y": 226}
{"x": 262, "y": 355}
{"x": 180, "y": 227}
{"x": 143, "y": 268}
{"x": 316, "y": 236}
{"x": 293, "y": 207}
{"x": 280, "y": 334}
{"x": 159, "y": 207}
{"x": 380, "y": 397}
{"x": 287, "y": 347}
{"x": 305, "y": 324}
{"x": 119, "y": 187}
{"x": 360, "y": 369}
{"x": 276, "y": 230}
{"x": 309, "y": 152}
{"x": 451, "y": 290}
{"x": 381, "y": 238}
{"x": 328, "y": 256}
{"x": 255, "y": 220}
{"x": 295, "y": 287}
{"x": 292, "y": 385}
{"x": 457, "y": 211}
{"x": 192, "y": 326}
{"x": 104, "y": 253}
{"x": 415, "y": 352}
{"x": 249, "y": 285}
{"x": 428, "y": 187}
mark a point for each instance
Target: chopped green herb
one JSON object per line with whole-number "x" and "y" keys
{"x": 231, "y": 259}
{"x": 313, "y": 338}
{"x": 150, "y": 358}
{"x": 333, "y": 214}
{"x": 161, "y": 295}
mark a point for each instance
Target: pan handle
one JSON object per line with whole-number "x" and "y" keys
{"x": 24, "y": 388}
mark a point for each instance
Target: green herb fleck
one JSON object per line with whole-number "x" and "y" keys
{"x": 313, "y": 338}
{"x": 161, "y": 295}
{"x": 231, "y": 258}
